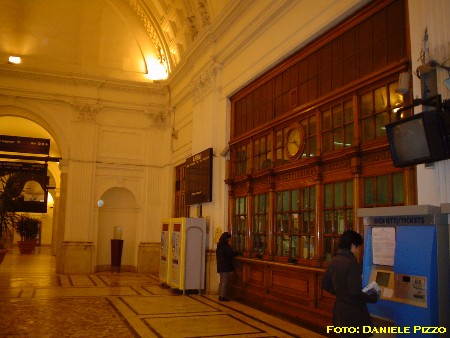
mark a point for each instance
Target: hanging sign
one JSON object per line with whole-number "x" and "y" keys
{"x": 37, "y": 168}
{"x": 30, "y": 145}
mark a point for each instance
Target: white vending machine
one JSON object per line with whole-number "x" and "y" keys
{"x": 166, "y": 252}
{"x": 187, "y": 268}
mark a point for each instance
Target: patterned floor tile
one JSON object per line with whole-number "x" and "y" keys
{"x": 37, "y": 303}
{"x": 85, "y": 292}
{"x": 62, "y": 317}
{"x": 157, "y": 305}
{"x": 127, "y": 279}
{"x": 200, "y": 326}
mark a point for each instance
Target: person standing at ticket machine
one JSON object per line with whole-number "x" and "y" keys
{"x": 224, "y": 255}
{"x": 344, "y": 280}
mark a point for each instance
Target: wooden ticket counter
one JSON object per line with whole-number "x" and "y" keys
{"x": 291, "y": 291}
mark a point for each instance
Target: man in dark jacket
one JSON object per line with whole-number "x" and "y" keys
{"x": 343, "y": 279}
{"x": 224, "y": 255}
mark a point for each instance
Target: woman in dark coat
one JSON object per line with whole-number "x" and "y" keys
{"x": 343, "y": 279}
{"x": 224, "y": 255}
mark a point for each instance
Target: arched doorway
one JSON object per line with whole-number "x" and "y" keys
{"x": 118, "y": 208}
{"x": 15, "y": 121}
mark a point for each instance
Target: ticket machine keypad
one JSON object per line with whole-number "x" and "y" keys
{"x": 411, "y": 289}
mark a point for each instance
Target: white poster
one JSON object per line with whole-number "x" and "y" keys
{"x": 383, "y": 245}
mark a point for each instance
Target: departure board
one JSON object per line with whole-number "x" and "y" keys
{"x": 198, "y": 177}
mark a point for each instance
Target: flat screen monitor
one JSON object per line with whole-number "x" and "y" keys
{"x": 417, "y": 139}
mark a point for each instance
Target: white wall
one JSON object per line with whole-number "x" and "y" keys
{"x": 433, "y": 183}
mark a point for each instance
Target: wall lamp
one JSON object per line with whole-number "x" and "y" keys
{"x": 403, "y": 83}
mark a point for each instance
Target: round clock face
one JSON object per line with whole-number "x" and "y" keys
{"x": 294, "y": 141}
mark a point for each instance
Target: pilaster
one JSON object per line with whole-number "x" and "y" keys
{"x": 60, "y": 215}
{"x": 78, "y": 249}
{"x": 79, "y": 207}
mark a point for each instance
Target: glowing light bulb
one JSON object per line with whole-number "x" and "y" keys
{"x": 14, "y": 59}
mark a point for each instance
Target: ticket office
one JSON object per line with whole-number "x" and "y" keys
{"x": 308, "y": 148}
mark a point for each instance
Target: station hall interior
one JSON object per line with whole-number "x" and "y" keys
{"x": 286, "y": 101}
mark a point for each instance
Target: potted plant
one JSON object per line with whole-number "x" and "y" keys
{"x": 28, "y": 230}
{"x": 11, "y": 186}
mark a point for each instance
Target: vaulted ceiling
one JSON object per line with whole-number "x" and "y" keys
{"x": 120, "y": 39}
{"x": 124, "y": 40}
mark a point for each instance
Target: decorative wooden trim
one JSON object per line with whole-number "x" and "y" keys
{"x": 293, "y": 97}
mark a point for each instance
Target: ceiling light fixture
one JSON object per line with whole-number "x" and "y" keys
{"x": 14, "y": 59}
{"x": 155, "y": 69}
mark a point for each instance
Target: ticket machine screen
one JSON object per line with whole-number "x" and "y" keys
{"x": 383, "y": 278}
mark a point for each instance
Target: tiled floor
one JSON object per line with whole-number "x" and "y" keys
{"x": 35, "y": 302}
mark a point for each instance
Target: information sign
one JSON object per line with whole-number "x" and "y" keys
{"x": 198, "y": 176}
{"x": 30, "y": 145}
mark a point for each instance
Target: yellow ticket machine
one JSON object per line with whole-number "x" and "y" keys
{"x": 187, "y": 267}
{"x": 166, "y": 252}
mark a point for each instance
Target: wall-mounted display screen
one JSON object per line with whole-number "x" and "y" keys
{"x": 198, "y": 176}
{"x": 382, "y": 278}
{"x": 417, "y": 139}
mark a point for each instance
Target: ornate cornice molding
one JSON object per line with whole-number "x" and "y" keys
{"x": 8, "y": 99}
{"x": 203, "y": 10}
{"x": 150, "y": 29}
{"x": 71, "y": 80}
{"x": 196, "y": 18}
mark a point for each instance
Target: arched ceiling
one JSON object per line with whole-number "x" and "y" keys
{"x": 120, "y": 39}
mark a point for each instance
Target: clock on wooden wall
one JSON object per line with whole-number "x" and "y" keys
{"x": 295, "y": 141}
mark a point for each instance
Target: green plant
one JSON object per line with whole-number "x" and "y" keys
{"x": 27, "y": 228}
{"x": 11, "y": 186}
